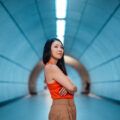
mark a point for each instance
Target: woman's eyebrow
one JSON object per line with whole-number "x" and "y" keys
{"x": 60, "y": 45}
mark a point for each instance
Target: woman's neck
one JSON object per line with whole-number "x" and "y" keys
{"x": 53, "y": 61}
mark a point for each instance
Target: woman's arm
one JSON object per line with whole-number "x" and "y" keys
{"x": 72, "y": 93}
{"x": 75, "y": 88}
{"x": 55, "y": 73}
{"x": 64, "y": 91}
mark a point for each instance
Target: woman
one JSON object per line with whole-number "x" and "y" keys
{"x": 59, "y": 84}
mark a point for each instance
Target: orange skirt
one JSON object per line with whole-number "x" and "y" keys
{"x": 62, "y": 109}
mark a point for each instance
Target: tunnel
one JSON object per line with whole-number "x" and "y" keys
{"x": 90, "y": 33}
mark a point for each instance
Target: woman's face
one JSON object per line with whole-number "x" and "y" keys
{"x": 57, "y": 50}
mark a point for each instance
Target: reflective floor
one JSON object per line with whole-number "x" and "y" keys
{"x": 37, "y": 108}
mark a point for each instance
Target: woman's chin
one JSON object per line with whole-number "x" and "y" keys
{"x": 59, "y": 57}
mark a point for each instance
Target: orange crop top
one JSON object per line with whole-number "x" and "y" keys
{"x": 55, "y": 87}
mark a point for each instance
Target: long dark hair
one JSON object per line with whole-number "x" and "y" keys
{"x": 47, "y": 54}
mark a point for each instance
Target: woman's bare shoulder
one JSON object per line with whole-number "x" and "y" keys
{"x": 50, "y": 71}
{"x": 50, "y": 68}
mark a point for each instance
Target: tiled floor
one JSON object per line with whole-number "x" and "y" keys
{"x": 37, "y": 108}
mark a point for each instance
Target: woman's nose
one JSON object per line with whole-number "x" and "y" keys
{"x": 60, "y": 49}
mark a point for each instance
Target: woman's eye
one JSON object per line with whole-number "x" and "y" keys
{"x": 57, "y": 47}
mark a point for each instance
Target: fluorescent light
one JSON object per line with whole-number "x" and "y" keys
{"x": 60, "y": 27}
{"x": 61, "y": 8}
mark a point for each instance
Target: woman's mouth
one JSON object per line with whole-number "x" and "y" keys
{"x": 60, "y": 53}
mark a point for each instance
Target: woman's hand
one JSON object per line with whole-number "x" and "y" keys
{"x": 72, "y": 92}
{"x": 63, "y": 91}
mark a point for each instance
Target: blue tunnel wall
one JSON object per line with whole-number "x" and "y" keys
{"x": 102, "y": 58}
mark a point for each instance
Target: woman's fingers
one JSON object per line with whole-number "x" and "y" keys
{"x": 63, "y": 91}
{"x": 60, "y": 92}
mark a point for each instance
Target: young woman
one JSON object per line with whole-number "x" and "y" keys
{"x": 59, "y": 84}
